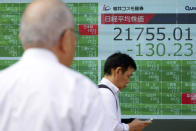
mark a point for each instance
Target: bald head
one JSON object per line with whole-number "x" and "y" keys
{"x": 43, "y": 23}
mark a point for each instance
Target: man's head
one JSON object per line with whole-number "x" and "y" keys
{"x": 119, "y": 68}
{"x": 49, "y": 24}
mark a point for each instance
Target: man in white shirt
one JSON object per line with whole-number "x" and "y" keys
{"x": 118, "y": 69}
{"x": 40, "y": 92}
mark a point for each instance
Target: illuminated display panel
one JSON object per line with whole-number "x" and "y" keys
{"x": 159, "y": 35}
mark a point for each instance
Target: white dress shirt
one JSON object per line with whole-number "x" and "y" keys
{"x": 40, "y": 94}
{"x": 110, "y": 105}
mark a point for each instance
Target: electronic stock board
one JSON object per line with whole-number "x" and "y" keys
{"x": 159, "y": 35}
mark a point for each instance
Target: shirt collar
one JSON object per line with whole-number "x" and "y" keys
{"x": 108, "y": 83}
{"x": 39, "y": 53}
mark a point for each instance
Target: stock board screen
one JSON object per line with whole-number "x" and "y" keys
{"x": 159, "y": 35}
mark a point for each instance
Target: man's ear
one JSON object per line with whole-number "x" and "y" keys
{"x": 59, "y": 47}
{"x": 118, "y": 70}
{"x": 65, "y": 40}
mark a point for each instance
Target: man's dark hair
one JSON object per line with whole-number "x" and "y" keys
{"x": 119, "y": 60}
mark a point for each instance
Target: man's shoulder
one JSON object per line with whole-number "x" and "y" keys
{"x": 10, "y": 68}
{"x": 105, "y": 89}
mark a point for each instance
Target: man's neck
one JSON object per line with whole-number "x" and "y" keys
{"x": 111, "y": 79}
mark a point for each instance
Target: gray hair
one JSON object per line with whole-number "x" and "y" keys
{"x": 47, "y": 28}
